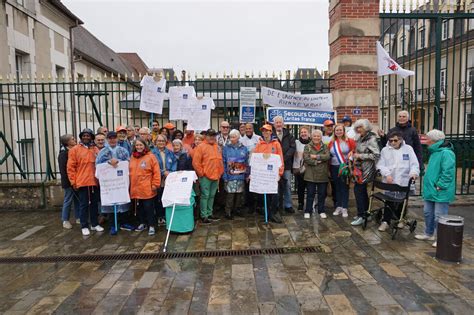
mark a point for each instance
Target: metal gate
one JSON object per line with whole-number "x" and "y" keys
{"x": 435, "y": 39}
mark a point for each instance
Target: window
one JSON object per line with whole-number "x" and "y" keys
{"x": 418, "y": 118}
{"x": 470, "y": 123}
{"x": 385, "y": 89}
{"x": 421, "y": 38}
{"x": 470, "y": 77}
{"x": 445, "y": 29}
{"x": 443, "y": 81}
{"x": 26, "y": 154}
{"x": 21, "y": 2}
{"x": 402, "y": 47}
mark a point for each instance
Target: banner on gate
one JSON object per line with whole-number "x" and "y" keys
{"x": 178, "y": 187}
{"x": 114, "y": 182}
{"x": 248, "y": 100}
{"x": 297, "y": 116}
{"x": 279, "y": 98}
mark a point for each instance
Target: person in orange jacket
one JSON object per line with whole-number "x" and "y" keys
{"x": 207, "y": 163}
{"x": 269, "y": 144}
{"x": 81, "y": 173}
{"x": 145, "y": 179}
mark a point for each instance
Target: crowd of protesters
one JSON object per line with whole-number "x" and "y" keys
{"x": 322, "y": 162}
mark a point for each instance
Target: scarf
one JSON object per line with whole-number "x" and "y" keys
{"x": 138, "y": 155}
{"x": 303, "y": 141}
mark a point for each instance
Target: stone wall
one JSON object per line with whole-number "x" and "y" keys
{"x": 30, "y": 196}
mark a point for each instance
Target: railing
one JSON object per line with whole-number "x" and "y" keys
{"x": 34, "y": 114}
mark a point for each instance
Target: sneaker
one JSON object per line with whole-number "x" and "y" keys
{"x": 357, "y": 221}
{"x": 85, "y": 231}
{"x": 78, "y": 221}
{"x": 338, "y": 211}
{"x": 323, "y": 215}
{"x": 67, "y": 225}
{"x": 97, "y": 228}
{"x": 434, "y": 244}
{"x": 127, "y": 227}
{"x": 307, "y": 215}
{"x": 205, "y": 221}
{"x": 161, "y": 221}
{"x": 424, "y": 237}
{"x": 400, "y": 225}
{"x": 300, "y": 207}
{"x": 344, "y": 213}
{"x": 383, "y": 227}
{"x": 289, "y": 210}
{"x": 140, "y": 228}
{"x": 113, "y": 231}
{"x": 213, "y": 218}
{"x": 151, "y": 231}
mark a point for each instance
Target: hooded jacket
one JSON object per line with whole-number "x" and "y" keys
{"x": 369, "y": 152}
{"x": 272, "y": 147}
{"x": 288, "y": 145}
{"x": 62, "y": 162}
{"x": 145, "y": 176}
{"x": 81, "y": 165}
{"x": 439, "y": 182}
{"x": 400, "y": 163}
{"x": 207, "y": 161}
{"x": 411, "y": 137}
{"x": 236, "y": 162}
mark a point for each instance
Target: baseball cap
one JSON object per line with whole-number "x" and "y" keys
{"x": 119, "y": 128}
{"x": 111, "y": 134}
{"x": 211, "y": 132}
{"x": 169, "y": 126}
{"x": 346, "y": 118}
{"x": 266, "y": 127}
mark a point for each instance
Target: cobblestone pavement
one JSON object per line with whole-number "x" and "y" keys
{"x": 357, "y": 271}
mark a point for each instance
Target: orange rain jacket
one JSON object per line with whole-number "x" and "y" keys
{"x": 207, "y": 161}
{"x": 81, "y": 166}
{"x": 272, "y": 147}
{"x": 145, "y": 176}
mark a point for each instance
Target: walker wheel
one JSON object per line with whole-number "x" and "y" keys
{"x": 412, "y": 226}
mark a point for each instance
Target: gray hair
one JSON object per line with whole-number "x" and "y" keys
{"x": 64, "y": 139}
{"x": 144, "y": 129}
{"x": 234, "y": 132}
{"x": 280, "y": 118}
{"x": 177, "y": 141}
{"x": 436, "y": 135}
{"x": 316, "y": 132}
{"x": 364, "y": 123}
{"x": 404, "y": 112}
{"x": 162, "y": 137}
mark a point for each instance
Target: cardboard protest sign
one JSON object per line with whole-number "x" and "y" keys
{"x": 264, "y": 175}
{"x": 152, "y": 95}
{"x": 114, "y": 183}
{"x": 178, "y": 187}
{"x": 279, "y": 98}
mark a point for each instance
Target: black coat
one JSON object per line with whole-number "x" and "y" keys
{"x": 288, "y": 145}
{"x": 62, "y": 162}
{"x": 411, "y": 137}
{"x": 184, "y": 162}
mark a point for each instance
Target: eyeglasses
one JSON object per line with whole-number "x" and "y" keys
{"x": 393, "y": 140}
{"x": 225, "y": 127}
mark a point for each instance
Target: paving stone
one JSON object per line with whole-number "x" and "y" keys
{"x": 339, "y": 304}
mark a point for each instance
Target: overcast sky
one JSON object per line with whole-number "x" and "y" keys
{"x": 213, "y": 36}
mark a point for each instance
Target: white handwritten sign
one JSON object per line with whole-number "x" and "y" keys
{"x": 153, "y": 94}
{"x": 200, "y": 114}
{"x": 264, "y": 170}
{"x": 182, "y": 101}
{"x": 114, "y": 182}
{"x": 178, "y": 187}
{"x": 279, "y": 98}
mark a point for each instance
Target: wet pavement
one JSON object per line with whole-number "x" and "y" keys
{"x": 356, "y": 271}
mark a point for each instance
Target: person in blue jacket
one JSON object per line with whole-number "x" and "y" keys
{"x": 168, "y": 164}
{"x": 183, "y": 160}
{"x": 122, "y": 139}
{"x": 236, "y": 170}
{"x": 439, "y": 183}
{"x": 113, "y": 154}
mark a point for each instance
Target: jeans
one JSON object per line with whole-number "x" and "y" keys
{"x": 208, "y": 192}
{"x": 301, "y": 187}
{"x": 70, "y": 197}
{"x": 146, "y": 211}
{"x": 285, "y": 190}
{"x": 432, "y": 211}
{"x": 340, "y": 191}
{"x": 362, "y": 198}
{"x": 322, "y": 193}
{"x": 88, "y": 205}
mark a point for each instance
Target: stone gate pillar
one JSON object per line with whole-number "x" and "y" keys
{"x": 354, "y": 27}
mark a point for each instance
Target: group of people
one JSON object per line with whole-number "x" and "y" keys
{"x": 321, "y": 162}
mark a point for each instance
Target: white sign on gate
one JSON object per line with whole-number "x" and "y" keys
{"x": 152, "y": 95}
{"x": 114, "y": 182}
{"x": 279, "y": 98}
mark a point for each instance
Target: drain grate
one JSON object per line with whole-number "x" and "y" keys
{"x": 168, "y": 255}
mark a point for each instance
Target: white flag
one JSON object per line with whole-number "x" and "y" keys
{"x": 386, "y": 65}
